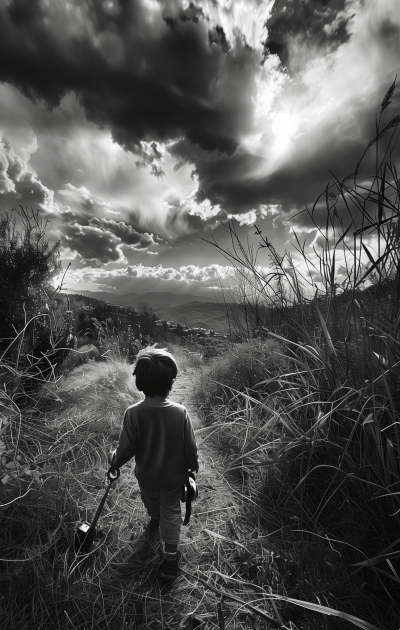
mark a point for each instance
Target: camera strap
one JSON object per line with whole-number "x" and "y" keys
{"x": 188, "y": 513}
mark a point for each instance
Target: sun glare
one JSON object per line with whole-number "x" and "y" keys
{"x": 284, "y": 127}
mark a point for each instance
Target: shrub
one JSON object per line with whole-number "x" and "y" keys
{"x": 242, "y": 369}
{"x": 27, "y": 264}
{"x": 34, "y": 325}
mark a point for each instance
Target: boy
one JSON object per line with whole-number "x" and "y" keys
{"x": 158, "y": 432}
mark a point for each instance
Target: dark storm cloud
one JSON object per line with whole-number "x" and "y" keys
{"x": 145, "y": 74}
{"x": 91, "y": 243}
{"x": 153, "y": 73}
{"x": 100, "y": 242}
{"x": 315, "y": 23}
{"x": 190, "y": 152}
{"x": 126, "y": 234}
{"x": 293, "y": 185}
{"x": 102, "y": 239}
{"x": 150, "y": 157}
{"x": 94, "y": 237}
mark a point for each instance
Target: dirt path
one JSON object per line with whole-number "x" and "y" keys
{"x": 220, "y": 546}
{"x": 216, "y": 505}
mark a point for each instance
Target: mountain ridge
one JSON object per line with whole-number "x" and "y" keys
{"x": 164, "y": 298}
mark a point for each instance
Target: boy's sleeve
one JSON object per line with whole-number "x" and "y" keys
{"x": 127, "y": 444}
{"x": 190, "y": 444}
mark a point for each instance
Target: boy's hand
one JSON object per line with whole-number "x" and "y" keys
{"x": 111, "y": 475}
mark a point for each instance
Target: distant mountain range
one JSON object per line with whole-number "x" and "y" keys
{"x": 162, "y": 299}
{"x": 185, "y": 309}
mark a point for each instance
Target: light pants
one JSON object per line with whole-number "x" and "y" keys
{"x": 167, "y": 505}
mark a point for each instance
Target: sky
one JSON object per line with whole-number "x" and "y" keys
{"x": 139, "y": 128}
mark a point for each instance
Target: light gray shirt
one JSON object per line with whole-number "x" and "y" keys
{"x": 161, "y": 438}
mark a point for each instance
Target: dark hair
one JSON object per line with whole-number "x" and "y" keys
{"x": 155, "y": 370}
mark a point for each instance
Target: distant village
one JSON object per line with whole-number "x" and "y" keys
{"x": 189, "y": 332}
{"x": 97, "y": 324}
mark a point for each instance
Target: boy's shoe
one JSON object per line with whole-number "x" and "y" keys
{"x": 169, "y": 570}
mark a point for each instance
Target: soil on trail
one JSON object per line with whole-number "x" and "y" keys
{"x": 221, "y": 499}
{"x": 216, "y": 505}
{"x": 182, "y": 392}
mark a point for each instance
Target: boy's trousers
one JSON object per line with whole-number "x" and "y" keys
{"x": 167, "y": 505}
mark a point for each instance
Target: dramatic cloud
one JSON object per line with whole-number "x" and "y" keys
{"x": 101, "y": 239}
{"x": 306, "y": 26}
{"x": 185, "y": 80}
{"x": 153, "y": 73}
{"x": 327, "y": 105}
{"x": 127, "y": 62}
{"x": 125, "y": 233}
{"x": 18, "y": 184}
{"x": 79, "y": 217}
{"x": 137, "y": 126}
{"x": 92, "y": 243}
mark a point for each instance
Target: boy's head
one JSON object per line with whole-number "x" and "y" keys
{"x": 155, "y": 371}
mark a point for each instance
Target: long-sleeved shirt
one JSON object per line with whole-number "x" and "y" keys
{"x": 161, "y": 438}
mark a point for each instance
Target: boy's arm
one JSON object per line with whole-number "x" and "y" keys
{"x": 190, "y": 445}
{"x": 127, "y": 444}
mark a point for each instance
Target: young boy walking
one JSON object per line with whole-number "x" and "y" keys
{"x": 159, "y": 434}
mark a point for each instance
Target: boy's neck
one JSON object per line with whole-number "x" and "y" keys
{"x": 155, "y": 399}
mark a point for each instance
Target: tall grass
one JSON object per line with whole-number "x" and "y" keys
{"x": 53, "y": 464}
{"x": 320, "y": 449}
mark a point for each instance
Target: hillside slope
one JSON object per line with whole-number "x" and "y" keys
{"x": 188, "y": 310}
{"x": 196, "y": 314}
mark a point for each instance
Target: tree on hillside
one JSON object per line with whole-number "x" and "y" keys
{"x": 179, "y": 330}
{"x": 27, "y": 265}
{"x": 147, "y": 319}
